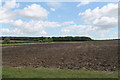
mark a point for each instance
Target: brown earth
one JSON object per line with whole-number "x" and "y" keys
{"x": 95, "y": 55}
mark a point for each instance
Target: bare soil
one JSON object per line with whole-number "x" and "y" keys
{"x": 92, "y": 55}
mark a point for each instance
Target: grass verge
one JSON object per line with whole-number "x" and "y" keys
{"x": 9, "y": 72}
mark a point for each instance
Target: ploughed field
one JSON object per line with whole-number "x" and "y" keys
{"x": 92, "y": 55}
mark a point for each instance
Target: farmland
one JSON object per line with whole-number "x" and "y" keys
{"x": 90, "y": 55}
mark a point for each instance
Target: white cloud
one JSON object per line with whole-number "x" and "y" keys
{"x": 34, "y": 11}
{"x": 7, "y": 15}
{"x": 52, "y": 9}
{"x": 68, "y": 23}
{"x": 106, "y": 22}
{"x": 32, "y": 27}
{"x": 6, "y": 31}
{"x": 47, "y": 24}
{"x": 65, "y": 31}
{"x": 78, "y": 29}
{"x": 54, "y": 4}
{"x": 83, "y": 3}
{"x": 29, "y": 28}
{"x": 11, "y": 4}
{"x": 103, "y": 18}
{"x": 99, "y": 21}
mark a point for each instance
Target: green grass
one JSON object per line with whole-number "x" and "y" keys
{"x": 9, "y": 72}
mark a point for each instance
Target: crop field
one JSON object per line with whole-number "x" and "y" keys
{"x": 89, "y": 55}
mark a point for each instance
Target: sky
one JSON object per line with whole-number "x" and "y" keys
{"x": 98, "y": 20}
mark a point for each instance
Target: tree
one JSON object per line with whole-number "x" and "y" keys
{"x": 6, "y": 40}
{"x": 48, "y": 39}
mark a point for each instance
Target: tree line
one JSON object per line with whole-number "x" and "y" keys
{"x": 47, "y": 39}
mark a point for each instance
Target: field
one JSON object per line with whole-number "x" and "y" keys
{"x": 88, "y": 55}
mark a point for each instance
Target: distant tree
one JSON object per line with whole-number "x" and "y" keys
{"x": 86, "y": 39}
{"x": 47, "y": 39}
{"x": 6, "y": 40}
{"x": 40, "y": 41}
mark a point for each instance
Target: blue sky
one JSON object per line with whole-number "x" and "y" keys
{"x": 97, "y": 20}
